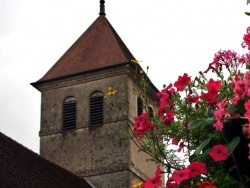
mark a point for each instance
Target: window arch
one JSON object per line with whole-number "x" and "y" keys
{"x": 69, "y": 113}
{"x": 96, "y": 108}
{"x": 139, "y": 106}
{"x": 150, "y": 112}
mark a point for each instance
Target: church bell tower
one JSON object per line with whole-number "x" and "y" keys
{"x": 79, "y": 131}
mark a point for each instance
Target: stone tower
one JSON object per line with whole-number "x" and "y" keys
{"x": 79, "y": 130}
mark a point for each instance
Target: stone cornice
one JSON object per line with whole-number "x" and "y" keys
{"x": 81, "y": 78}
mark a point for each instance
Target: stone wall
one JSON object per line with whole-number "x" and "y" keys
{"x": 102, "y": 153}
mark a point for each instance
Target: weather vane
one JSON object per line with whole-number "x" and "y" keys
{"x": 102, "y": 7}
{"x": 248, "y": 13}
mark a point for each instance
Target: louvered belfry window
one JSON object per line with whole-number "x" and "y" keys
{"x": 139, "y": 106}
{"x": 69, "y": 113}
{"x": 96, "y": 108}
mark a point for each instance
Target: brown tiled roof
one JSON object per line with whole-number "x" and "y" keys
{"x": 22, "y": 168}
{"x": 98, "y": 47}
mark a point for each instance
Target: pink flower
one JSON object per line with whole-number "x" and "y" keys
{"x": 235, "y": 99}
{"x": 168, "y": 118}
{"x": 247, "y": 75}
{"x": 247, "y": 108}
{"x": 245, "y": 58}
{"x": 196, "y": 169}
{"x": 213, "y": 90}
{"x": 166, "y": 102}
{"x": 182, "y": 82}
{"x": 219, "y": 153}
{"x": 239, "y": 88}
{"x": 218, "y": 125}
{"x": 219, "y": 114}
{"x": 221, "y": 111}
{"x": 142, "y": 125}
{"x": 155, "y": 181}
{"x": 158, "y": 171}
{"x": 169, "y": 89}
{"x": 175, "y": 141}
{"x": 192, "y": 99}
{"x": 222, "y": 58}
{"x": 181, "y": 175}
{"x": 204, "y": 96}
{"x": 181, "y": 146}
{"x": 246, "y": 40}
{"x": 213, "y": 85}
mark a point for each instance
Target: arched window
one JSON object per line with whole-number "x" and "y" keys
{"x": 150, "y": 112}
{"x": 96, "y": 108}
{"x": 139, "y": 106}
{"x": 69, "y": 113}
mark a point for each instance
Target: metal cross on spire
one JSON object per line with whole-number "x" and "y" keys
{"x": 102, "y": 7}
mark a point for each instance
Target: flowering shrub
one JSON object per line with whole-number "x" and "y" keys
{"x": 200, "y": 124}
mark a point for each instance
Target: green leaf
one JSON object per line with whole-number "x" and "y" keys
{"x": 202, "y": 146}
{"x": 233, "y": 144}
{"x": 194, "y": 124}
{"x": 209, "y": 120}
{"x": 209, "y": 112}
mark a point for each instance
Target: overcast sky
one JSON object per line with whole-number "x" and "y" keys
{"x": 171, "y": 36}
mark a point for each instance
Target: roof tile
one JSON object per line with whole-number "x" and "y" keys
{"x": 98, "y": 47}
{"x": 20, "y": 167}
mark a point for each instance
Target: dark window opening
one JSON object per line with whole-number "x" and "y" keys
{"x": 69, "y": 113}
{"x": 139, "y": 106}
{"x": 150, "y": 112}
{"x": 96, "y": 108}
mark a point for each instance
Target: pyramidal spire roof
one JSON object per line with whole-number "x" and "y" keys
{"x": 98, "y": 47}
